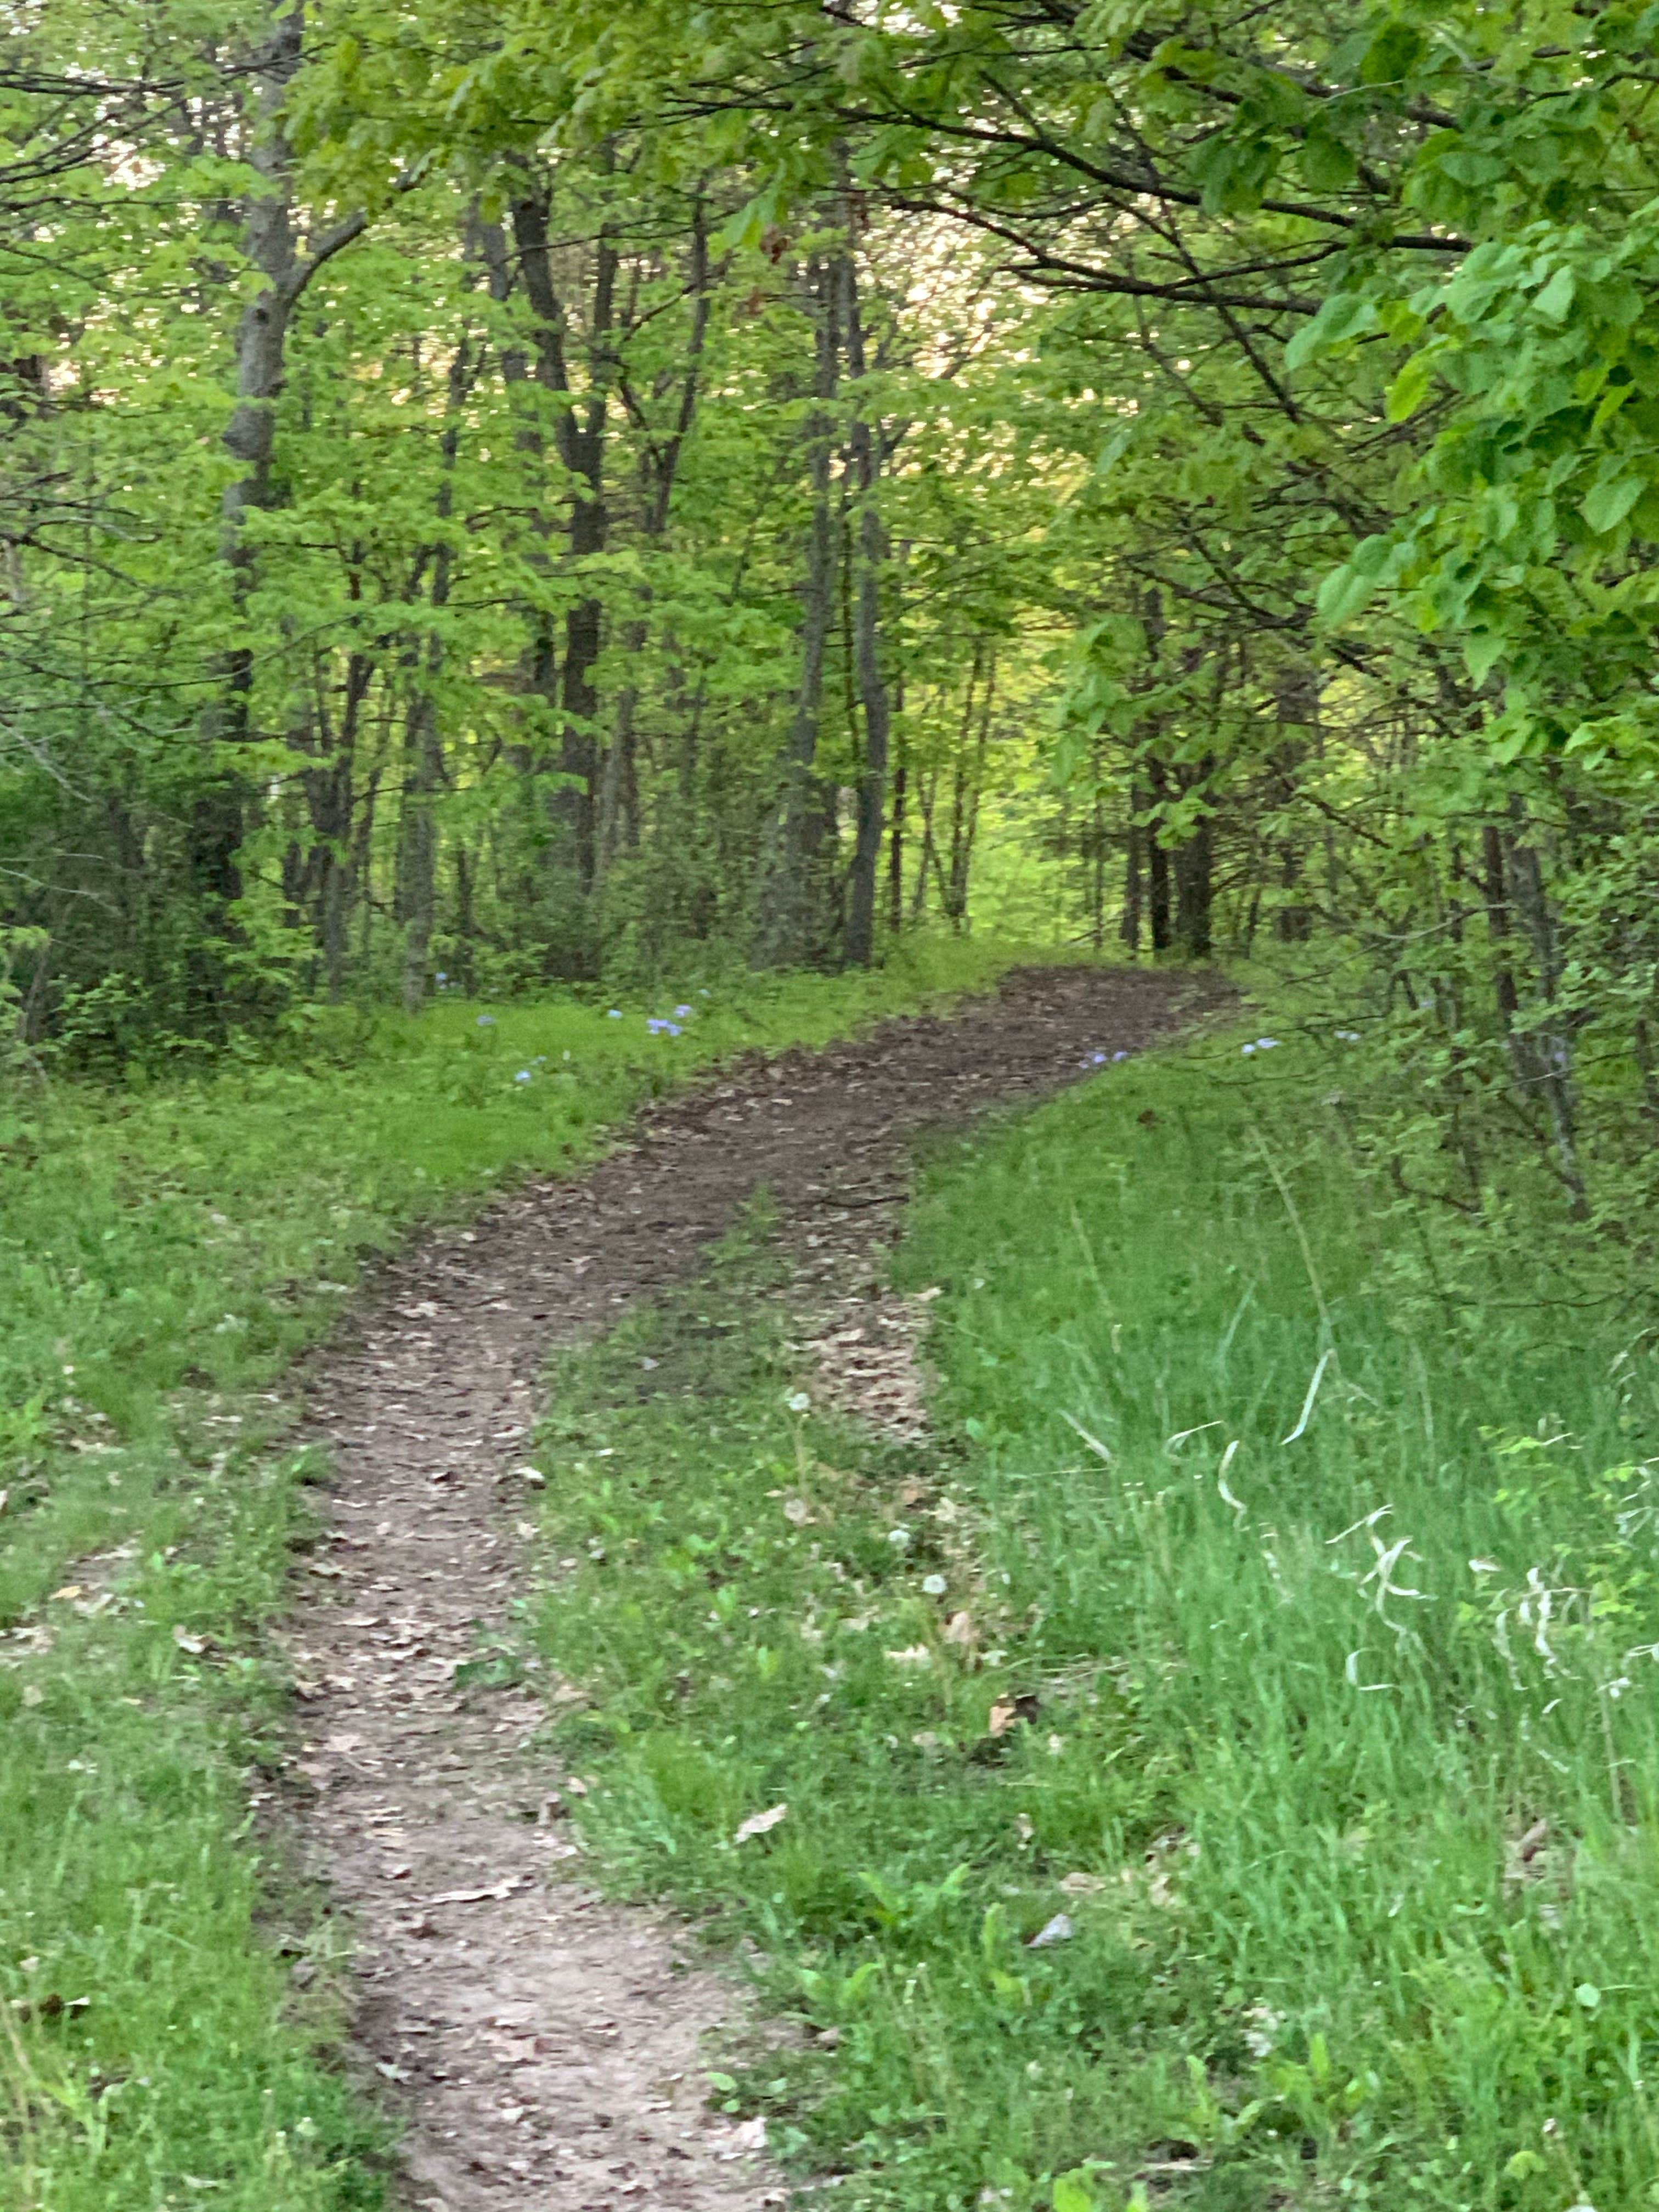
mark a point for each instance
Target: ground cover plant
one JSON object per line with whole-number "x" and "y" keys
{"x": 1218, "y": 1771}
{"x": 168, "y": 1248}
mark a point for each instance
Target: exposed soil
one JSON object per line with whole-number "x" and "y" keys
{"x": 542, "y": 2046}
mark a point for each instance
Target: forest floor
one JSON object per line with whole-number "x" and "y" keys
{"x": 542, "y": 2045}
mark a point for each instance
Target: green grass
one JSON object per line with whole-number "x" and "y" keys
{"x": 165, "y": 1249}
{"x": 1345, "y": 1738}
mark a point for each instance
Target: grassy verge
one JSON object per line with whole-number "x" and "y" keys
{"x": 163, "y": 1252}
{"x": 1275, "y": 1631}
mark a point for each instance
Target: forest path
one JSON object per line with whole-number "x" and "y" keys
{"x": 543, "y": 2045}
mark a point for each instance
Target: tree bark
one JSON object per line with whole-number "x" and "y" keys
{"x": 860, "y": 939}
{"x": 618, "y": 799}
{"x": 1194, "y": 873}
{"x": 424, "y": 777}
{"x": 218, "y": 819}
{"x": 1552, "y": 1048}
{"x": 1129, "y": 928}
{"x": 581, "y": 440}
{"x": 783, "y": 925}
{"x": 1158, "y": 862}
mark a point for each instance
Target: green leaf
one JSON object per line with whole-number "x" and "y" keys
{"x": 1344, "y": 315}
{"x": 1482, "y": 650}
{"x": 1074, "y": 2194}
{"x": 1392, "y": 54}
{"x": 1325, "y": 163}
{"x": 1556, "y": 298}
{"x": 1343, "y": 593}
{"x": 1409, "y": 390}
{"x": 1606, "y": 505}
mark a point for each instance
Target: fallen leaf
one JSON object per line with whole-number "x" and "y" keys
{"x": 501, "y": 1889}
{"x": 70, "y": 1590}
{"x": 1082, "y": 1885}
{"x": 194, "y": 1644}
{"x": 960, "y": 1630}
{"x": 1059, "y": 1931}
{"x": 913, "y": 1654}
{"x": 758, "y": 1824}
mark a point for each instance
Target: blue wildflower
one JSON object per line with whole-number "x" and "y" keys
{"x": 1117, "y": 1056}
{"x": 680, "y": 1012}
{"x": 523, "y": 1076}
{"x": 1097, "y": 1059}
{"x": 486, "y": 1021}
{"x": 615, "y": 1015}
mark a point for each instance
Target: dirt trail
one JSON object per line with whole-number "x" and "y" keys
{"x": 541, "y": 2045}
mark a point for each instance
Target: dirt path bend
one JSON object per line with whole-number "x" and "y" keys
{"x": 541, "y": 2046}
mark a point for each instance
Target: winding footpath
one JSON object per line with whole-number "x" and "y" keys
{"x": 540, "y": 2047}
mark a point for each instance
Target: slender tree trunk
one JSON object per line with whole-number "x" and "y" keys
{"x": 619, "y": 802}
{"x": 423, "y": 735}
{"x": 1157, "y": 864}
{"x": 218, "y": 822}
{"x": 1194, "y": 872}
{"x": 788, "y": 896}
{"x": 1129, "y": 927}
{"x": 859, "y": 939}
{"x": 896, "y": 845}
{"x": 1552, "y": 1049}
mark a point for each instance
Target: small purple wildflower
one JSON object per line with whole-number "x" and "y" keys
{"x": 486, "y": 1021}
{"x": 680, "y": 1012}
{"x": 1117, "y": 1056}
{"x": 523, "y": 1076}
{"x": 1097, "y": 1059}
{"x": 1266, "y": 1044}
{"x": 659, "y": 1025}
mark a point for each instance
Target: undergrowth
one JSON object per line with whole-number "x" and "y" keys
{"x": 165, "y": 1249}
{"x": 1219, "y": 1772}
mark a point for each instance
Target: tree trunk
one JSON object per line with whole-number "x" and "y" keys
{"x": 1552, "y": 1049}
{"x": 619, "y": 801}
{"x": 783, "y": 931}
{"x": 1194, "y": 869}
{"x": 1129, "y": 928}
{"x": 1157, "y": 864}
{"x": 218, "y": 822}
{"x": 423, "y": 736}
{"x": 860, "y": 941}
{"x": 581, "y": 438}
{"x": 896, "y": 845}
